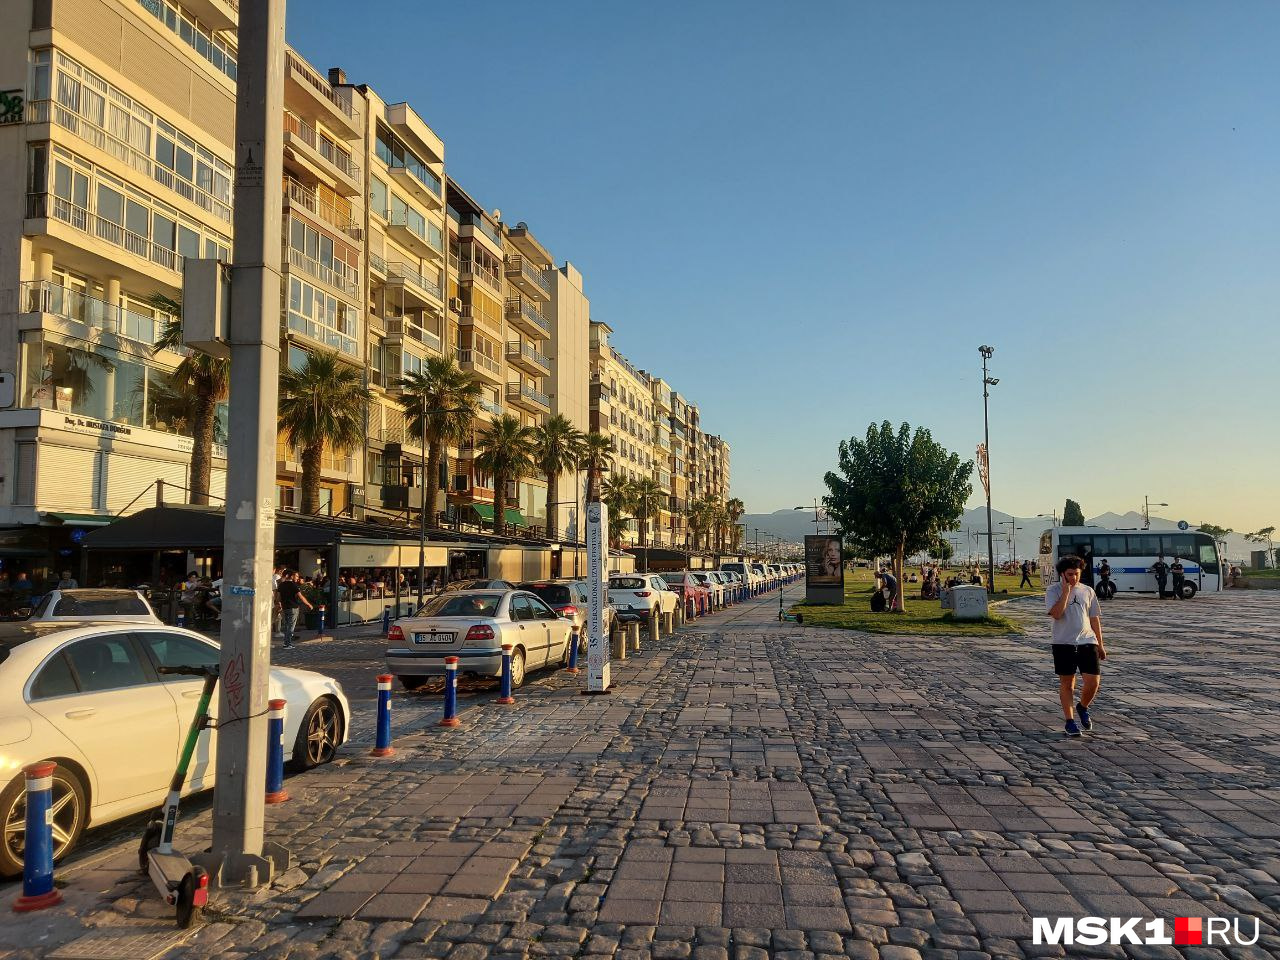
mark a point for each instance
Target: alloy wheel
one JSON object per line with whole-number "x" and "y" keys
{"x": 322, "y": 733}
{"x": 66, "y": 814}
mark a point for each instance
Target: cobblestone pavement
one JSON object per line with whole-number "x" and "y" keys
{"x": 756, "y": 789}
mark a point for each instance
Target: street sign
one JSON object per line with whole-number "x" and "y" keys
{"x": 597, "y": 597}
{"x": 1183, "y": 525}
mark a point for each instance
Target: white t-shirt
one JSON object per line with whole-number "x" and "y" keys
{"x": 1073, "y": 627}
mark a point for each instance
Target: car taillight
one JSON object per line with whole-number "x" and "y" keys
{"x": 642, "y": 593}
{"x": 567, "y": 611}
{"x": 481, "y": 631}
{"x": 395, "y": 633}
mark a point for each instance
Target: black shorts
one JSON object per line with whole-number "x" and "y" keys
{"x": 1068, "y": 658}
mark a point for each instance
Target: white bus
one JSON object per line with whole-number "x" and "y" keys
{"x": 1131, "y": 554}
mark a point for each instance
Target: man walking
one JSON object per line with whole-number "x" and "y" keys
{"x": 1077, "y": 642}
{"x": 292, "y": 599}
{"x": 1026, "y": 574}
{"x": 1179, "y": 574}
{"x": 1161, "y": 571}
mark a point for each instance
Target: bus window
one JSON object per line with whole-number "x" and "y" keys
{"x": 1208, "y": 551}
{"x": 1178, "y": 545}
{"x": 1108, "y": 545}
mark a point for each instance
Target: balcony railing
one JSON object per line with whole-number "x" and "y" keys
{"x": 50, "y": 111}
{"x": 426, "y": 231}
{"x": 42, "y": 296}
{"x": 525, "y": 391}
{"x": 518, "y": 307}
{"x": 471, "y": 270}
{"x": 303, "y": 196}
{"x": 518, "y": 348}
{"x": 519, "y": 266}
{"x": 481, "y": 224}
{"x": 324, "y": 146}
{"x": 405, "y": 327}
{"x": 321, "y": 85}
{"x": 46, "y": 205}
{"x": 490, "y": 406}
{"x": 475, "y": 358}
{"x": 397, "y": 270}
{"x": 343, "y": 279}
{"x": 420, "y": 173}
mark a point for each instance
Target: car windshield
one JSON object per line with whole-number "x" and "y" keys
{"x": 553, "y": 593}
{"x": 462, "y": 605}
{"x": 94, "y": 604}
{"x": 626, "y": 583}
{"x": 673, "y": 577}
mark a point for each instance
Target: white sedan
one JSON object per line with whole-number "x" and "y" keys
{"x": 83, "y": 604}
{"x": 88, "y": 696}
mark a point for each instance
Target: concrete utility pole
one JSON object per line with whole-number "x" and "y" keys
{"x": 239, "y": 848}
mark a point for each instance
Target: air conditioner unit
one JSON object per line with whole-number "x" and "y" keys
{"x": 455, "y": 304}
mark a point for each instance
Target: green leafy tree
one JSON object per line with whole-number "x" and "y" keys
{"x": 557, "y": 445}
{"x": 595, "y": 456}
{"x": 894, "y": 491}
{"x": 441, "y": 402}
{"x": 647, "y": 499}
{"x": 1265, "y": 535}
{"x": 941, "y": 550}
{"x": 208, "y": 381}
{"x": 1215, "y": 531}
{"x": 702, "y": 519}
{"x": 1072, "y": 515}
{"x": 616, "y": 493}
{"x": 735, "y": 508}
{"x": 322, "y": 404}
{"x": 504, "y": 450}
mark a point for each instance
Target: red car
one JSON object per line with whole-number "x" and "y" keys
{"x": 689, "y": 589}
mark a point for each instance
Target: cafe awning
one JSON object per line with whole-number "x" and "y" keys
{"x": 485, "y": 510}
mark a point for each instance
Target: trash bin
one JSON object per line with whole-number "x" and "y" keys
{"x": 969, "y": 602}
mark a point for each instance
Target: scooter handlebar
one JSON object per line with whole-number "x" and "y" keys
{"x": 189, "y": 671}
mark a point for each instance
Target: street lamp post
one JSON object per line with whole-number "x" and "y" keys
{"x": 988, "y": 381}
{"x": 1054, "y": 515}
{"x": 817, "y": 517}
{"x": 1146, "y": 511}
{"x": 1013, "y": 538}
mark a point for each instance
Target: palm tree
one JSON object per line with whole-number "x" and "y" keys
{"x": 735, "y": 508}
{"x": 648, "y": 499}
{"x": 617, "y": 494}
{"x": 556, "y": 446}
{"x": 441, "y": 402}
{"x": 595, "y": 456}
{"x": 205, "y": 376}
{"x": 322, "y": 404}
{"x": 701, "y": 519}
{"x": 505, "y": 450}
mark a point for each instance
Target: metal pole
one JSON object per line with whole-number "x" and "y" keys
{"x": 422, "y": 525}
{"x": 986, "y": 443}
{"x": 254, "y": 335}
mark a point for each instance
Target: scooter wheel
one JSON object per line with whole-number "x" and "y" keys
{"x": 194, "y": 885}
{"x": 150, "y": 840}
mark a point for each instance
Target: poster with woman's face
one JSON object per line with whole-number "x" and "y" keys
{"x": 823, "y": 561}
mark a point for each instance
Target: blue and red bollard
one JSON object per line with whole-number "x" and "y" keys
{"x": 382, "y": 747}
{"x": 574, "y": 640}
{"x": 505, "y": 696}
{"x": 276, "y": 793}
{"x": 38, "y": 890}
{"x": 450, "y": 718}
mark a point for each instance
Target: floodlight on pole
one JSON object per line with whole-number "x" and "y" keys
{"x": 1146, "y": 511}
{"x": 988, "y": 381}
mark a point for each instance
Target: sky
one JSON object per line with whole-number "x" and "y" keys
{"x": 807, "y": 218}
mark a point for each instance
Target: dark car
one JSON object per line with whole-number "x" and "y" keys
{"x": 570, "y": 599}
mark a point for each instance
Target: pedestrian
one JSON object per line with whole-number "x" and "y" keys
{"x": 292, "y": 599}
{"x": 1179, "y": 575}
{"x": 1026, "y": 574}
{"x": 1161, "y": 571}
{"x": 1077, "y": 642}
{"x": 890, "y": 584}
{"x": 68, "y": 582}
{"x": 1106, "y": 589}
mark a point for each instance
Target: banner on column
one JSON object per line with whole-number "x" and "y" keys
{"x": 597, "y": 597}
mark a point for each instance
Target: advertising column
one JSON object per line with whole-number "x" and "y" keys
{"x": 823, "y": 570}
{"x": 597, "y": 597}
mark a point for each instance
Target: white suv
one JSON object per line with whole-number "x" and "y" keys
{"x": 636, "y": 596}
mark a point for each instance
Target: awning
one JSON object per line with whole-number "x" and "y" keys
{"x": 485, "y": 510}
{"x": 81, "y": 519}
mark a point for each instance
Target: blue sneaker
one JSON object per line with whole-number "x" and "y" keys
{"x": 1083, "y": 713}
{"x": 1073, "y": 728}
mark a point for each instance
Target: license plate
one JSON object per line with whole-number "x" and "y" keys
{"x": 434, "y": 637}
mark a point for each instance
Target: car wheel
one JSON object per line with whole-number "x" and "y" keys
{"x": 1188, "y": 589}
{"x": 517, "y": 668}
{"x": 69, "y": 811}
{"x": 413, "y": 682}
{"x": 318, "y": 734}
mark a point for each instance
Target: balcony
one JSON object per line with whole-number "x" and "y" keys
{"x": 471, "y": 225}
{"x": 480, "y": 364}
{"x": 344, "y": 280}
{"x": 468, "y": 318}
{"x": 39, "y": 296}
{"x": 405, "y": 328}
{"x": 528, "y": 278}
{"x": 489, "y": 407}
{"x": 42, "y": 206}
{"x": 311, "y": 95}
{"x": 528, "y": 397}
{"x": 526, "y": 316}
{"x": 419, "y": 181}
{"x": 298, "y": 195}
{"x": 528, "y": 358}
{"x": 320, "y": 157}
{"x": 424, "y": 289}
{"x": 415, "y": 232}
{"x": 472, "y": 272}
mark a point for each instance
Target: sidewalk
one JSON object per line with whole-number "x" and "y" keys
{"x": 756, "y": 789}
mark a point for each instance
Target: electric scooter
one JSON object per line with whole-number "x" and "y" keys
{"x": 181, "y": 883}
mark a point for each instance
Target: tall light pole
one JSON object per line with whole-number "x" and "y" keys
{"x": 1013, "y": 537}
{"x": 1054, "y": 515}
{"x": 1146, "y": 511}
{"x": 817, "y": 517}
{"x": 988, "y": 381}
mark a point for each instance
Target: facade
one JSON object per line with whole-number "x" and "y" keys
{"x": 118, "y": 166}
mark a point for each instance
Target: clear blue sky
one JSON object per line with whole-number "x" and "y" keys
{"x": 807, "y": 217}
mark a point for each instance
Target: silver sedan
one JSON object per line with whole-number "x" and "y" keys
{"x": 472, "y": 625}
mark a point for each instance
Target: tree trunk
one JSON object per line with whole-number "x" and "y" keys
{"x": 499, "y": 503}
{"x": 644, "y": 529}
{"x": 553, "y": 497}
{"x": 311, "y": 479}
{"x": 431, "y": 482}
{"x": 898, "y": 564}
{"x": 591, "y": 495}
{"x": 202, "y": 449}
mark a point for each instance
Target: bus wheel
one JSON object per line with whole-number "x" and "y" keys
{"x": 1188, "y": 589}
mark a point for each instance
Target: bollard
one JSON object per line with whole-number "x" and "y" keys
{"x": 383, "y": 748}
{"x": 505, "y": 696}
{"x": 632, "y": 642}
{"x": 655, "y": 626}
{"x": 618, "y": 642}
{"x": 182, "y": 617}
{"x": 386, "y": 620}
{"x": 38, "y": 890}
{"x": 276, "y": 793}
{"x": 574, "y": 640}
{"x": 668, "y": 622}
{"x": 677, "y": 616}
{"x": 320, "y": 630}
{"x": 689, "y": 612}
{"x": 450, "y": 718}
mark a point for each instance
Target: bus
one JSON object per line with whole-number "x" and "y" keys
{"x": 1131, "y": 554}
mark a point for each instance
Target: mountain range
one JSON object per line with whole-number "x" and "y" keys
{"x": 792, "y": 525}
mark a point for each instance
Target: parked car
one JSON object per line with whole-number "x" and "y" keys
{"x": 760, "y": 571}
{"x": 733, "y": 580}
{"x": 727, "y": 583}
{"x": 713, "y": 585}
{"x": 636, "y": 596}
{"x": 750, "y": 579}
{"x": 88, "y": 696}
{"x": 472, "y": 625}
{"x": 479, "y": 585}
{"x": 688, "y": 588}
{"x": 571, "y": 599}
{"x": 97, "y": 605}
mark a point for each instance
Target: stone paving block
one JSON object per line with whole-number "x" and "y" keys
{"x": 990, "y": 901}
{"x": 393, "y": 906}
{"x": 702, "y": 914}
{"x": 630, "y": 911}
{"x": 751, "y": 914}
{"x": 683, "y": 870}
{"x": 335, "y": 904}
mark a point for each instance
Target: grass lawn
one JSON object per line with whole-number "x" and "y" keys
{"x": 920, "y": 616}
{"x": 1271, "y": 573}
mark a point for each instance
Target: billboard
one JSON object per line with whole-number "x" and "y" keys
{"x": 823, "y": 561}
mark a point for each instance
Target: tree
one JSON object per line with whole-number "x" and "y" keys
{"x": 702, "y": 518}
{"x": 735, "y": 508}
{"x": 208, "y": 379}
{"x": 321, "y": 405}
{"x": 595, "y": 456}
{"x": 648, "y": 499}
{"x": 556, "y": 446}
{"x": 941, "y": 550}
{"x": 505, "y": 450}
{"x": 616, "y": 494}
{"x": 1215, "y": 531}
{"x": 894, "y": 492}
{"x": 1072, "y": 515}
{"x": 1264, "y": 535}
{"x": 440, "y": 401}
